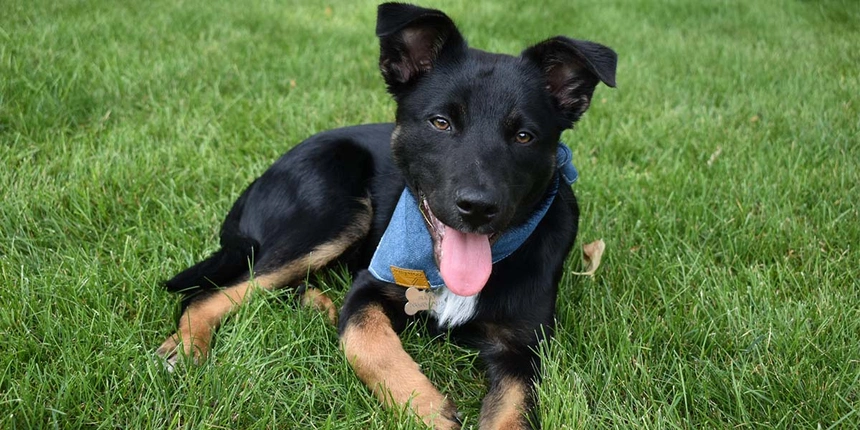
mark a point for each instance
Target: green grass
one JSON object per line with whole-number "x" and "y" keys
{"x": 723, "y": 174}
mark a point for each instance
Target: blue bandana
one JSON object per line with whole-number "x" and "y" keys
{"x": 405, "y": 257}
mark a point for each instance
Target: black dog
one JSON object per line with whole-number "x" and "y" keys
{"x": 475, "y": 147}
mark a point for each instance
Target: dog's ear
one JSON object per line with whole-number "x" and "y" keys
{"x": 572, "y": 68}
{"x": 412, "y": 40}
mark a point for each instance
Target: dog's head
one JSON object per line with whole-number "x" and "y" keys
{"x": 477, "y": 132}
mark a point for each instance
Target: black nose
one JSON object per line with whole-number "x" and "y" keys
{"x": 476, "y": 208}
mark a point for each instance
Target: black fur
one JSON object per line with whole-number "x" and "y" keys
{"x": 477, "y": 177}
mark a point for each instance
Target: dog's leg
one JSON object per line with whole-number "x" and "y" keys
{"x": 202, "y": 317}
{"x": 374, "y": 351}
{"x": 507, "y": 404}
{"x": 512, "y": 368}
{"x": 316, "y": 299}
{"x": 204, "y": 314}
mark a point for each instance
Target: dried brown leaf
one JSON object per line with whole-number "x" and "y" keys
{"x": 591, "y": 255}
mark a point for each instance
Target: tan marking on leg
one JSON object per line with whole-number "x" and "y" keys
{"x": 201, "y": 318}
{"x": 318, "y": 300}
{"x": 374, "y": 351}
{"x": 504, "y": 406}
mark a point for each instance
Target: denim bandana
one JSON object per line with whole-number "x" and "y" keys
{"x": 404, "y": 255}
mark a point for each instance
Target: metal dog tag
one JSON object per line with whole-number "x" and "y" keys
{"x": 418, "y": 300}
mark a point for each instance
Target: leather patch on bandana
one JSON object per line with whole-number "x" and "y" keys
{"x": 410, "y": 278}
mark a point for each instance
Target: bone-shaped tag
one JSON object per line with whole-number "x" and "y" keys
{"x": 418, "y": 300}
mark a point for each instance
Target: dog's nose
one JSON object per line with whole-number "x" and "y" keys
{"x": 476, "y": 208}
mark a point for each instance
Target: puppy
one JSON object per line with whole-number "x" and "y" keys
{"x": 460, "y": 212}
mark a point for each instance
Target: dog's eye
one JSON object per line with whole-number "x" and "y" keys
{"x": 524, "y": 137}
{"x": 440, "y": 123}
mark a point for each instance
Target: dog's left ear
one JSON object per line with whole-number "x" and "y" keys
{"x": 572, "y": 68}
{"x": 412, "y": 41}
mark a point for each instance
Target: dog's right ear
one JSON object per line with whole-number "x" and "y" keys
{"x": 412, "y": 41}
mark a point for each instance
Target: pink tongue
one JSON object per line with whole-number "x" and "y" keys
{"x": 466, "y": 261}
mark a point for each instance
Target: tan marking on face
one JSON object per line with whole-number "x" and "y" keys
{"x": 318, "y": 300}
{"x": 504, "y": 406}
{"x": 374, "y": 351}
{"x": 202, "y": 317}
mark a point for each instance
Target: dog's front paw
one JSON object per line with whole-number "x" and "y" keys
{"x": 175, "y": 351}
{"x": 445, "y": 417}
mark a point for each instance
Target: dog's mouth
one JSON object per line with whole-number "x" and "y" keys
{"x": 464, "y": 259}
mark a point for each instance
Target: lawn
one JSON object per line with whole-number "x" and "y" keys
{"x": 723, "y": 174}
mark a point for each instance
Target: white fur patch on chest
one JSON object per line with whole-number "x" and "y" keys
{"x": 452, "y": 310}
